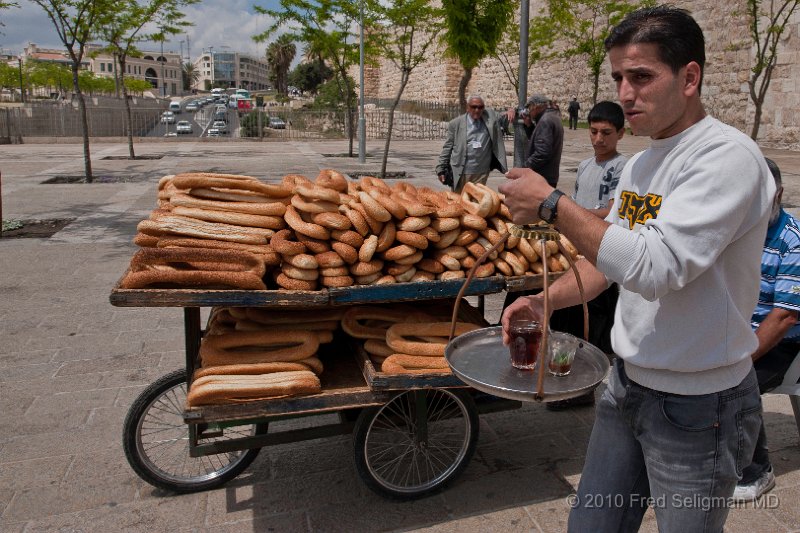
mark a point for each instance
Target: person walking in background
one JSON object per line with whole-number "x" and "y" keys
{"x": 681, "y": 408}
{"x": 595, "y": 184}
{"x": 473, "y": 148}
{"x": 573, "y": 109}
{"x": 775, "y": 324}
{"x": 547, "y": 140}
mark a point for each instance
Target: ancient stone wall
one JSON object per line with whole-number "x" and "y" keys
{"x": 729, "y": 56}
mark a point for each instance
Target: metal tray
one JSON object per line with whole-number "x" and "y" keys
{"x": 481, "y": 360}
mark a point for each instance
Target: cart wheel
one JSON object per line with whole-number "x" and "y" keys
{"x": 416, "y": 443}
{"x": 156, "y": 441}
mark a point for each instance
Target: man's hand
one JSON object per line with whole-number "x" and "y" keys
{"x": 524, "y": 308}
{"x": 524, "y": 192}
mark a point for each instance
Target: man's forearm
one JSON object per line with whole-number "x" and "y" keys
{"x": 564, "y": 291}
{"x": 773, "y": 329}
{"x": 581, "y": 227}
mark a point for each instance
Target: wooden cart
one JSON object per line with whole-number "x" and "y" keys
{"x": 412, "y": 434}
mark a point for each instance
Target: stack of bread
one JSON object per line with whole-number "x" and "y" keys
{"x": 251, "y": 354}
{"x": 400, "y": 340}
{"x": 334, "y": 232}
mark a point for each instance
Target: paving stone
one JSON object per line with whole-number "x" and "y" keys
{"x": 374, "y": 513}
{"x": 163, "y": 514}
{"x": 46, "y": 471}
{"x": 128, "y": 362}
{"x": 294, "y": 522}
{"x": 107, "y": 490}
{"x": 511, "y": 520}
{"x": 265, "y": 498}
{"x": 28, "y": 372}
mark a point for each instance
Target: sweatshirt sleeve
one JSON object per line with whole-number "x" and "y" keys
{"x": 712, "y": 199}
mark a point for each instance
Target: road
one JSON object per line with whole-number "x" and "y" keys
{"x": 200, "y": 121}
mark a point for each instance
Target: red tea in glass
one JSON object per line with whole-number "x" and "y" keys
{"x": 526, "y": 336}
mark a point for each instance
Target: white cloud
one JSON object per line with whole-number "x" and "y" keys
{"x": 227, "y": 25}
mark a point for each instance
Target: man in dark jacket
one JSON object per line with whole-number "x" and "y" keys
{"x": 573, "y": 109}
{"x": 547, "y": 141}
{"x": 474, "y": 146}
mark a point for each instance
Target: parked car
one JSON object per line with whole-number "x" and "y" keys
{"x": 168, "y": 117}
{"x": 184, "y": 126}
{"x": 212, "y": 132}
{"x": 277, "y": 123}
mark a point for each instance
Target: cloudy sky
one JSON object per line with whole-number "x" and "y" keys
{"x": 223, "y": 24}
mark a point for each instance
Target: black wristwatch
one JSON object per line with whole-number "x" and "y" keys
{"x": 547, "y": 209}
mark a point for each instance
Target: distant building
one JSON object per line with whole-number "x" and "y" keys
{"x": 161, "y": 71}
{"x": 231, "y": 69}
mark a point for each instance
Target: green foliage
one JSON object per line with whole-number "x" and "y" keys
{"x": 309, "y": 76}
{"x": 11, "y": 224}
{"x": 584, "y": 25}
{"x": 474, "y": 28}
{"x": 280, "y": 54}
{"x": 136, "y": 86}
{"x": 189, "y": 75}
{"x": 330, "y": 95}
{"x": 248, "y": 125}
{"x": 9, "y": 76}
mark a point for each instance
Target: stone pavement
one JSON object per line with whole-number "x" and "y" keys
{"x": 71, "y": 365}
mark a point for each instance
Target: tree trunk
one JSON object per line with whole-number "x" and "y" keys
{"x": 756, "y": 120}
{"x": 403, "y": 82}
{"x": 462, "y": 89}
{"x": 87, "y": 158}
{"x": 595, "y": 84}
{"x": 349, "y": 105}
{"x": 128, "y": 115}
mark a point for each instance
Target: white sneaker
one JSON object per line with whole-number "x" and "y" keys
{"x": 752, "y": 491}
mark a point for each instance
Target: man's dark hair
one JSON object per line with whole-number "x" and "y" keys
{"x": 676, "y": 34}
{"x": 776, "y": 172}
{"x": 607, "y": 112}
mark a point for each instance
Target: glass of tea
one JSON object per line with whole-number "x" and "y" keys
{"x": 526, "y": 336}
{"x": 562, "y": 353}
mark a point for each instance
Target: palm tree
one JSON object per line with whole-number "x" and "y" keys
{"x": 280, "y": 54}
{"x": 190, "y": 75}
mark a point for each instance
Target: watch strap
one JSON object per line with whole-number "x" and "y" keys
{"x": 548, "y": 208}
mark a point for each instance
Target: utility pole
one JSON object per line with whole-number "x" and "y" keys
{"x": 362, "y": 141}
{"x": 163, "y": 79}
{"x": 519, "y": 127}
{"x": 188, "y": 49}
{"x": 21, "y": 86}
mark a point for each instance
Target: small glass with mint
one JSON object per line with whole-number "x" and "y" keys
{"x": 562, "y": 353}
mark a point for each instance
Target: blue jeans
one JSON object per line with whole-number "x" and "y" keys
{"x": 683, "y": 455}
{"x": 770, "y": 370}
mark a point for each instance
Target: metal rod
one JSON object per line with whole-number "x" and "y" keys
{"x": 543, "y": 345}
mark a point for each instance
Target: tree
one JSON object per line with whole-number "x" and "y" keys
{"x": 325, "y": 26}
{"x": 584, "y": 26}
{"x": 404, "y": 32}
{"x": 280, "y": 54}
{"x": 540, "y": 42}
{"x": 310, "y": 75}
{"x": 74, "y": 21}
{"x": 473, "y": 31}
{"x": 767, "y": 25}
{"x": 6, "y": 5}
{"x": 190, "y": 75}
{"x": 49, "y": 75}
{"x": 124, "y": 25}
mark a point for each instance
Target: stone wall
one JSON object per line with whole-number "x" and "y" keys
{"x": 729, "y": 56}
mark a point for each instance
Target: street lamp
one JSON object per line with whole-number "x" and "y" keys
{"x": 211, "y": 56}
{"x": 163, "y": 80}
{"x": 21, "y": 87}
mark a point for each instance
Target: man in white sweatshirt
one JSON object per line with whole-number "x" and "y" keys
{"x": 681, "y": 411}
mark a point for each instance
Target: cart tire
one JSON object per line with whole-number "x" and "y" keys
{"x": 156, "y": 441}
{"x": 395, "y": 459}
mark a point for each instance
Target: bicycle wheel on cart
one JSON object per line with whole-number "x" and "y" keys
{"x": 417, "y": 442}
{"x": 156, "y": 441}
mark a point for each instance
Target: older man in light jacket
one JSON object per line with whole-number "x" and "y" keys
{"x": 474, "y": 146}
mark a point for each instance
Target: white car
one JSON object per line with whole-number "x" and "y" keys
{"x": 183, "y": 126}
{"x": 192, "y": 106}
{"x": 168, "y": 117}
{"x": 220, "y": 125}
{"x": 212, "y": 132}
